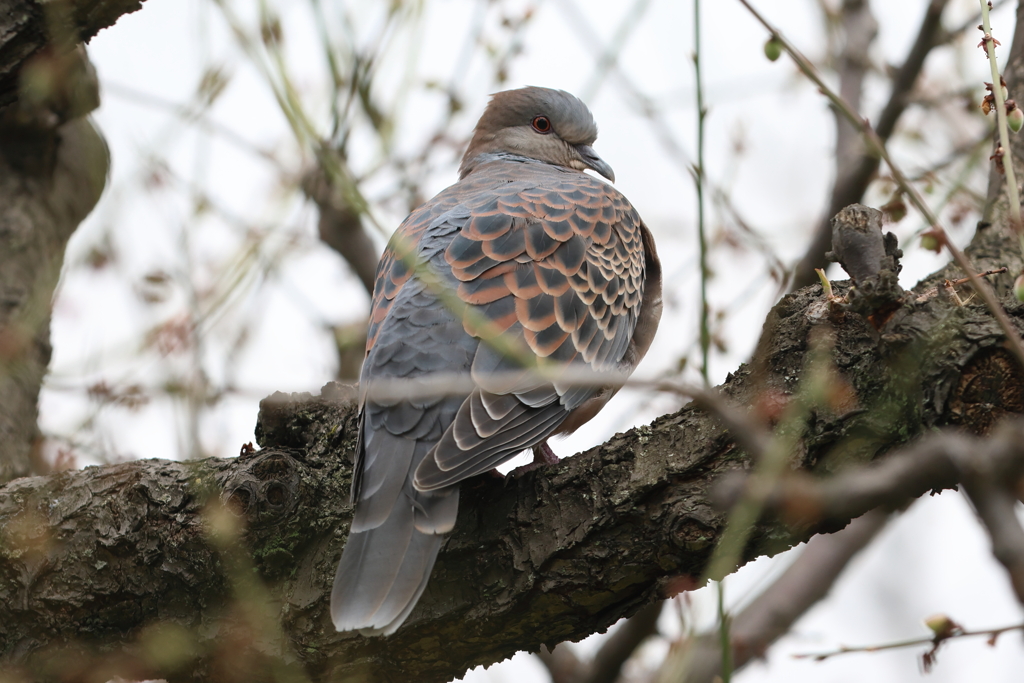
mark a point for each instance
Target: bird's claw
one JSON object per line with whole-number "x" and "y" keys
{"x": 542, "y": 456}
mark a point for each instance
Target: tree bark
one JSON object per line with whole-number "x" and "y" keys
{"x": 100, "y": 564}
{"x": 53, "y": 166}
{"x": 28, "y": 27}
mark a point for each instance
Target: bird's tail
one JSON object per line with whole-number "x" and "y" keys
{"x": 384, "y": 570}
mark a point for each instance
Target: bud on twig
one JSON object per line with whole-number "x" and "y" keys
{"x": 933, "y": 239}
{"x": 773, "y": 49}
{"x": 1014, "y": 116}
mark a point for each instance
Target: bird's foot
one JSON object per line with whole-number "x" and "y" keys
{"x": 542, "y": 456}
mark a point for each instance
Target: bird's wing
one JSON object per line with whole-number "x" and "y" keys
{"x": 396, "y": 530}
{"x": 551, "y": 265}
{"x": 412, "y": 334}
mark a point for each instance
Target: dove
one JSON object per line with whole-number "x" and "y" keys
{"x": 525, "y": 268}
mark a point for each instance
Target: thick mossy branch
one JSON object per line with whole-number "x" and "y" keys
{"x": 96, "y": 562}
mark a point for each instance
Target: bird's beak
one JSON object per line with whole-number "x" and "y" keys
{"x": 592, "y": 161}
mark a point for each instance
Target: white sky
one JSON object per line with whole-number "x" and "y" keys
{"x": 285, "y": 292}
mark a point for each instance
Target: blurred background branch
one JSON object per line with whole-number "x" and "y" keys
{"x": 855, "y": 168}
{"x": 53, "y": 167}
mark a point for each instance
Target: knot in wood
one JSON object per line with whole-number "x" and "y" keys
{"x": 991, "y": 386}
{"x": 691, "y": 534}
{"x": 265, "y": 489}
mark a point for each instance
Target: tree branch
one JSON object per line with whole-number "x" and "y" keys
{"x": 565, "y": 666}
{"x": 609, "y": 660}
{"x": 27, "y": 27}
{"x": 859, "y": 28}
{"x": 341, "y": 227}
{"x": 990, "y": 469}
{"x": 992, "y": 478}
{"x": 53, "y": 166}
{"x": 555, "y": 555}
{"x": 927, "y": 465}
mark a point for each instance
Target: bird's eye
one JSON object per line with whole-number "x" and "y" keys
{"x": 541, "y": 124}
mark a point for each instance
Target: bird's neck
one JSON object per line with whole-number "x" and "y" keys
{"x": 470, "y": 164}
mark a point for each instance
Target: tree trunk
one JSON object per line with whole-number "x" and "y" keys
{"x": 53, "y": 166}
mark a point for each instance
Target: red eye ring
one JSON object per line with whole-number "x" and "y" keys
{"x": 541, "y": 124}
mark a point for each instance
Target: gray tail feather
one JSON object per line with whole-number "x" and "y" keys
{"x": 382, "y": 574}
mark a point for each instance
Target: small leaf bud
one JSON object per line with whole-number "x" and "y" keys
{"x": 1014, "y": 116}
{"x": 773, "y": 49}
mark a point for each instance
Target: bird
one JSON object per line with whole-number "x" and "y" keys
{"x": 526, "y": 267}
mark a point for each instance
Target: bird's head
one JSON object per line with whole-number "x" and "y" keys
{"x": 538, "y": 123}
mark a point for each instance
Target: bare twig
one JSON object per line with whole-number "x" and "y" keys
{"x": 992, "y": 633}
{"x": 699, "y": 182}
{"x": 934, "y": 291}
{"x": 949, "y": 36}
{"x": 193, "y": 112}
{"x": 636, "y": 98}
{"x": 1003, "y": 150}
{"x": 984, "y": 290}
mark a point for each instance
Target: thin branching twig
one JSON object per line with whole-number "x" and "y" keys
{"x": 1012, "y": 192}
{"x": 877, "y": 146}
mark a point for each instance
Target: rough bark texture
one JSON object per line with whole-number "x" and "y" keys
{"x": 95, "y": 561}
{"x": 27, "y": 27}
